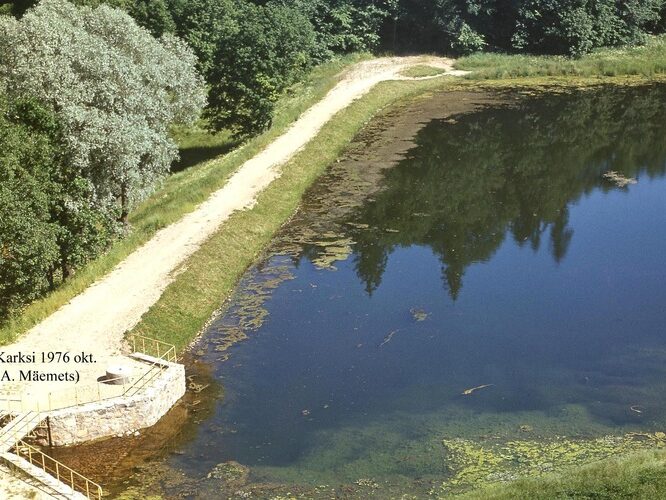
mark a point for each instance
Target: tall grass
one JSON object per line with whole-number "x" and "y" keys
{"x": 646, "y": 60}
{"x": 183, "y": 191}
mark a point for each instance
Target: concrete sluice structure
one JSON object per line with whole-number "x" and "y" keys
{"x": 131, "y": 396}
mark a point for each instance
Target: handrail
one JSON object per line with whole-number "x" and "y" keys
{"x": 19, "y": 427}
{"x": 60, "y": 471}
{"x": 159, "y": 349}
{"x": 86, "y": 394}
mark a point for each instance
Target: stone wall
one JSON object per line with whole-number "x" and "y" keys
{"x": 119, "y": 416}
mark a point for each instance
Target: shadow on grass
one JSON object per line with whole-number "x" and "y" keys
{"x": 191, "y": 156}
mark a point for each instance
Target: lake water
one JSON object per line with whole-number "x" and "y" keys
{"x": 465, "y": 296}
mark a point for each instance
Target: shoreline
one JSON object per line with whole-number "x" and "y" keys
{"x": 200, "y": 293}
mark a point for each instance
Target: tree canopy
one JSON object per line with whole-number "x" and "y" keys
{"x": 114, "y": 88}
{"x": 50, "y": 221}
{"x": 87, "y": 98}
{"x": 250, "y": 50}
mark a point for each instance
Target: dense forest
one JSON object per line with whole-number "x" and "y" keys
{"x": 91, "y": 89}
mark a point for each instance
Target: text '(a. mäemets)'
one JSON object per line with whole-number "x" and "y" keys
{"x": 40, "y": 376}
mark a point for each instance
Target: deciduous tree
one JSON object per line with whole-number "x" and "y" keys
{"x": 114, "y": 88}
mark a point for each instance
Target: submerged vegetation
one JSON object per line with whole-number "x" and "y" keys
{"x": 473, "y": 463}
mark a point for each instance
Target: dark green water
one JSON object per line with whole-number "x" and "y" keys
{"x": 493, "y": 252}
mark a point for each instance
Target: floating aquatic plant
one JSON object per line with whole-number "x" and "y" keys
{"x": 419, "y": 314}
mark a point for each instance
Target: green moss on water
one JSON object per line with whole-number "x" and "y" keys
{"x": 248, "y": 312}
{"x": 440, "y": 454}
{"x": 137, "y": 494}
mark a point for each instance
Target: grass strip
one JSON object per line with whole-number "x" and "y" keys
{"x": 183, "y": 191}
{"x": 422, "y": 70}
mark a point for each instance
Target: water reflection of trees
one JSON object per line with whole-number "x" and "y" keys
{"x": 510, "y": 171}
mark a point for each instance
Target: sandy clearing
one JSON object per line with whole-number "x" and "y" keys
{"x": 96, "y": 320}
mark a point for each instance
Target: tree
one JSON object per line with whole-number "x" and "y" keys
{"x": 50, "y": 222}
{"x": 114, "y": 88}
{"x": 578, "y": 26}
{"x": 571, "y": 27}
{"x": 204, "y": 25}
{"x": 28, "y": 239}
{"x": 266, "y": 49}
{"x": 154, "y": 15}
{"x": 343, "y": 26}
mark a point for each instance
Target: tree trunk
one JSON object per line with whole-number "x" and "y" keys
{"x": 51, "y": 279}
{"x": 124, "y": 205}
{"x": 67, "y": 269}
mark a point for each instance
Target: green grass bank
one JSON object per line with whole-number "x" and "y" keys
{"x": 638, "y": 476}
{"x": 645, "y": 60}
{"x": 199, "y": 173}
{"x": 421, "y": 71}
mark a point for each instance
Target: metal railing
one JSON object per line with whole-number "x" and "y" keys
{"x": 58, "y": 470}
{"x": 102, "y": 390}
{"x": 18, "y": 428}
{"x": 77, "y": 396}
{"x": 153, "y": 347}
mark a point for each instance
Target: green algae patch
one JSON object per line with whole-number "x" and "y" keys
{"x": 640, "y": 475}
{"x": 232, "y": 473}
{"x": 473, "y": 463}
{"x": 137, "y": 494}
{"x": 248, "y": 312}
